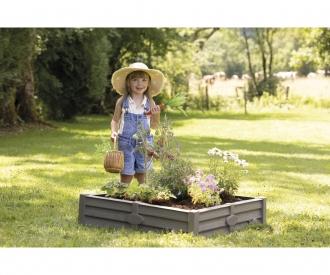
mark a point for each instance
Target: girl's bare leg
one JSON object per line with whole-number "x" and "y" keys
{"x": 126, "y": 178}
{"x": 140, "y": 177}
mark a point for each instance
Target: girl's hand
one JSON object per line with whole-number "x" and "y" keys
{"x": 113, "y": 136}
{"x": 155, "y": 109}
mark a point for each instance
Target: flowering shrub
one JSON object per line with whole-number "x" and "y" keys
{"x": 176, "y": 180}
{"x": 203, "y": 189}
{"x": 173, "y": 167}
{"x": 227, "y": 168}
{"x": 171, "y": 175}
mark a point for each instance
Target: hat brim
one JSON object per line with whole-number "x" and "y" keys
{"x": 118, "y": 80}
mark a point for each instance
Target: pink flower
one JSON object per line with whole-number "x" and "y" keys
{"x": 199, "y": 173}
{"x": 209, "y": 178}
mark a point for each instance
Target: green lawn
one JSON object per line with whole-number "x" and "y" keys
{"x": 43, "y": 171}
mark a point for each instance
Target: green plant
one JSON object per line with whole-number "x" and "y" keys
{"x": 227, "y": 168}
{"x": 172, "y": 175}
{"x": 147, "y": 192}
{"x": 136, "y": 191}
{"x": 203, "y": 189}
{"x": 174, "y": 103}
{"x": 115, "y": 189}
{"x": 166, "y": 145}
{"x": 177, "y": 102}
{"x": 162, "y": 194}
{"x": 174, "y": 169}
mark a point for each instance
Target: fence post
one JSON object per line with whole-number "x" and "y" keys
{"x": 207, "y": 101}
{"x": 245, "y": 101}
{"x": 287, "y": 89}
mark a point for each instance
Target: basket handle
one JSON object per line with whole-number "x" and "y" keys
{"x": 115, "y": 143}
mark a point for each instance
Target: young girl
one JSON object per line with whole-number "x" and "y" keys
{"x": 137, "y": 84}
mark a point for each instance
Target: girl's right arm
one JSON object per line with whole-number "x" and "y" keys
{"x": 114, "y": 129}
{"x": 116, "y": 119}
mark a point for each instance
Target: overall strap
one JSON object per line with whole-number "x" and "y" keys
{"x": 147, "y": 106}
{"x": 125, "y": 103}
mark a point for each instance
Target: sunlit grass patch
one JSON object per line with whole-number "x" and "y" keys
{"x": 43, "y": 172}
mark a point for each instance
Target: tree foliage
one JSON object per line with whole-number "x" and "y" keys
{"x": 304, "y": 59}
{"x": 323, "y": 47}
{"x": 224, "y": 51}
{"x": 59, "y": 73}
{"x": 72, "y": 71}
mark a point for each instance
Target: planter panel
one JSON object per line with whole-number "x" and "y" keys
{"x": 164, "y": 212}
{"x": 209, "y": 213}
{"x": 212, "y": 224}
{"x": 165, "y": 223}
{"x": 108, "y": 212}
{"x": 103, "y": 202}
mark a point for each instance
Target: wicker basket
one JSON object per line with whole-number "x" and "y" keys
{"x": 114, "y": 160}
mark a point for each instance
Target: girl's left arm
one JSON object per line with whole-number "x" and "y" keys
{"x": 155, "y": 115}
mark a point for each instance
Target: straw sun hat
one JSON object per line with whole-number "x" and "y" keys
{"x": 118, "y": 79}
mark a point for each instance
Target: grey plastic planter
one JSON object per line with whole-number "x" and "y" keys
{"x": 103, "y": 211}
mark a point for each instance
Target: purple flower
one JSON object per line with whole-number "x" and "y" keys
{"x": 205, "y": 183}
{"x": 210, "y": 178}
{"x": 203, "y": 186}
{"x": 213, "y": 187}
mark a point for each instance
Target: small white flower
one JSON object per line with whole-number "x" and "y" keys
{"x": 244, "y": 163}
{"x": 211, "y": 152}
{"x": 214, "y": 152}
{"x": 219, "y": 154}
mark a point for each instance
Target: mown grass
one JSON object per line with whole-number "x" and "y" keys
{"x": 43, "y": 171}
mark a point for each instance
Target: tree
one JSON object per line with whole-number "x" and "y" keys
{"x": 72, "y": 71}
{"x": 304, "y": 58}
{"x": 17, "y": 98}
{"x": 323, "y": 46}
{"x": 263, "y": 39}
{"x": 223, "y": 51}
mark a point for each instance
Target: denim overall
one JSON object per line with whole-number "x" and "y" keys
{"x": 133, "y": 159}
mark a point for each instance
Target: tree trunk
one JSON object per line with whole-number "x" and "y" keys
{"x": 207, "y": 101}
{"x": 25, "y": 100}
{"x": 254, "y": 81}
{"x": 26, "y": 106}
{"x": 269, "y": 41}
{"x": 8, "y": 116}
{"x": 260, "y": 40}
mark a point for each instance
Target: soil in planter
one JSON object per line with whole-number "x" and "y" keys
{"x": 187, "y": 204}
{"x": 183, "y": 204}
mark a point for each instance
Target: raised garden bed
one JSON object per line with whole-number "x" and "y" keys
{"x": 99, "y": 210}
